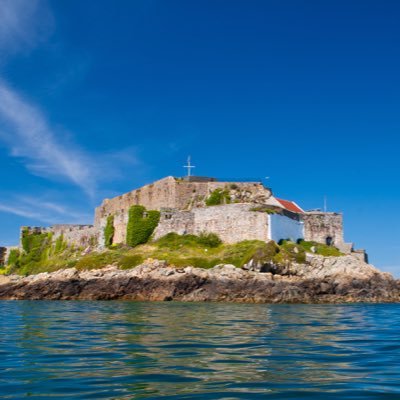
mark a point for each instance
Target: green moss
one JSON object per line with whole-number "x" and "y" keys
{"x": 109, "y": 231}
{"x": 97, "y": 260}
{"x": 173, "y": 241}
{"x": 141, "y": 225}
{"x": 218, "y": 197}
{"x": 290, "y": 251}
{"x": 60, "y": 245}
{"x": 13, "y": 258}
{"x": 320, "y": 249}
{"x": 263, "y": 209}
{"x": 209, "y": 239}
{"x": 36, "y": 247}
{"x": 130, "y": 261}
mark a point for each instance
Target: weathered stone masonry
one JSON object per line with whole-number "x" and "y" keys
{"x": 182, "y": 203}
{"x": 231, "y": 222}
{"x": 184, "y": 196}
{"x": 3, "y": 253}
{"x": 323, "y": 227}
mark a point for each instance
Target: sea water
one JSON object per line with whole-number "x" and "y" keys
{"x": 132, "y": 350}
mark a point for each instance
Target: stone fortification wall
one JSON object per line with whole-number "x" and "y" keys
{"x": 231, "y": 222}
{"x": 182, "y": 195}
{"x": 76, "y": 235}
{"x": 175, "y": 194}
{"x": 7, "y": 253}
{"x": 322, "y": 227}
{"x": 154, "y": 196}
{"x": 3, "y": 255}
{"x": 181, "y": 222}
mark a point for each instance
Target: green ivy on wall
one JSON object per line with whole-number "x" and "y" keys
{"x": 141, "y": 225}
{"x": 218, "y": 197}
{"x": 109, "y": 231}
{"x": 13, "y": 258}
{"x": 36, "y": 246}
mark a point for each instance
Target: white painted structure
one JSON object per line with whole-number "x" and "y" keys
{"x": 281, "y": 227}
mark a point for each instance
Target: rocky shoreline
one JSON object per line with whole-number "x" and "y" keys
{"x": 321, "y": 280}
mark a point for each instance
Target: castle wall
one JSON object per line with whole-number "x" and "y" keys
{"x": 3, "y": 254}
{"x": 174, "y": 194}
{"x": 77, "y": 235}
{"x": 231, "y": 222}
{"x": 181, "y": 222}
{"x": 154, "y": 196}
{"x": 281, "y": 227}
{"x": 319, "y": 226}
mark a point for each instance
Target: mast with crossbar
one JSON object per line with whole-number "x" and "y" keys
{"x": 189, "y": 167}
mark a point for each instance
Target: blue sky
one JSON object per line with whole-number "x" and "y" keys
{"x": 97, "y": 98}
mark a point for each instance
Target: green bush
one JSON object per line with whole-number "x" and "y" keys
{"x": 290, "y": 251}
{"x": 130, "y": 261}
{"x": 60, "y": 245}
{"x": 218, "y": 197}
{"x": 13, "y": 258}
{"x": 109, "y": 231}
{"x": 36, "y": 246}
{"x": 209, "y": 239}
{"x": 174, "y": 241}
{"x": 241, "y": 253}
{"x": 320, "y": 249}
{"x": 141, "y": 225}
{"x": 97, "y": 260}
{"x": 263, "y": 209}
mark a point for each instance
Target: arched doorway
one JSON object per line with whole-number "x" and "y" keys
{"x": 329, "y": 240}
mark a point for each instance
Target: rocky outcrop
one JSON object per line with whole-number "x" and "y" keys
{"x": 322, "y": 280}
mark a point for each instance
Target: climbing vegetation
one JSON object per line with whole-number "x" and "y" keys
{"x": 141, "y": 225}
{"x": 109, "y": 231}
{"x": 218, "y": 197}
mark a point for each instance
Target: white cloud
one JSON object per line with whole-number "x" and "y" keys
{"x": 29, "y": 136}
{"x": 46, "y": 212}
{"x": 46, "y": 150}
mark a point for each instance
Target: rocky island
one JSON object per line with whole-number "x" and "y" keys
{"x": 195, "y": 239}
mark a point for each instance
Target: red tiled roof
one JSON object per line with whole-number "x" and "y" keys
{"x": 290, "y": 206}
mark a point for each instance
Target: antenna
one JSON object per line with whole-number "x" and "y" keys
{"x": 189, "y": 167}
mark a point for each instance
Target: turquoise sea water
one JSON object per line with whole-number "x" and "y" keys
{"x": 128, "y": 350}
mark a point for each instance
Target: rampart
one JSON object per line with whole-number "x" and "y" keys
{"x": 77, "y": 235}
{"x": 231, "y": 222}
{"x": 323, "y": 227}
{"x": 180, "y": 195}
{"x": 3, "y": 254}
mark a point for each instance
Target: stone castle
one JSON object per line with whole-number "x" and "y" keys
{"x": 247, "y": 211}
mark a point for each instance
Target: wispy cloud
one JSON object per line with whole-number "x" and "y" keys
{"x": 44, "y": 148}
{"x": 23, "y": 126}
{"x": 29, "y": 136}
{"x": 44, "y": 211}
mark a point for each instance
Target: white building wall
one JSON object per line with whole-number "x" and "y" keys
{"x": 281, "y": 227}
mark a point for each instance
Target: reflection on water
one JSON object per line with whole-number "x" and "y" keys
{"x": 128, "y": 350}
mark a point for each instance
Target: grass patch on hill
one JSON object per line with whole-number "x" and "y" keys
{"x": 320, "y": 249}
{"x": 203, "y": 251}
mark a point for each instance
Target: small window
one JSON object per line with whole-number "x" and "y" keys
{"x": 329, "y": 240}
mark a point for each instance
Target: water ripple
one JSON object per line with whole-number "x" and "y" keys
{"x": 128, "y": 350}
